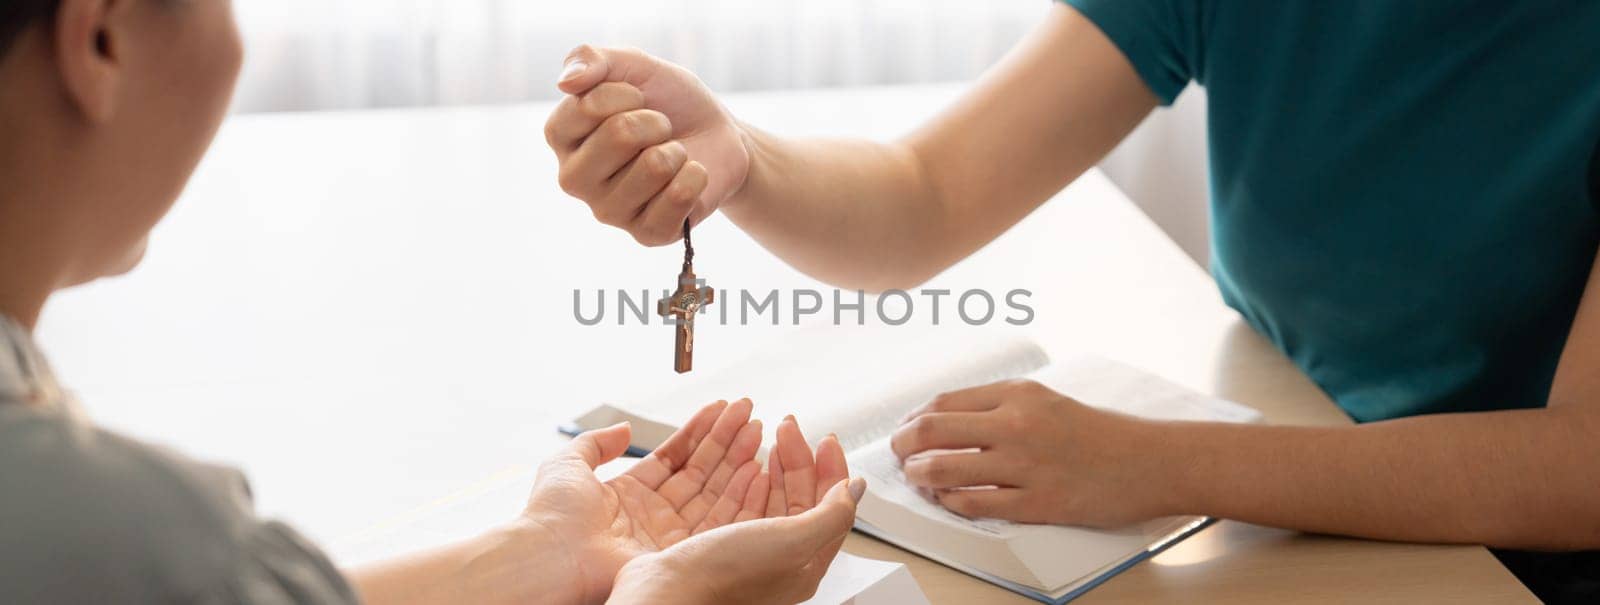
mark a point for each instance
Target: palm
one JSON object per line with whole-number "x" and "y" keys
{"x": 700, "y": 479}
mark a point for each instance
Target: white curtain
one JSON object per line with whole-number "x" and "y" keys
{"x": 340, "y": 54}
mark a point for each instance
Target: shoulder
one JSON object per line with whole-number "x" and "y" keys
{"x": 1162, "y": 39}
{"x": 91, "y": 516}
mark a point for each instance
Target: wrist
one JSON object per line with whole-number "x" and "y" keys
{"x": 1179, "y": 467}
{"x": 516, "y": 563}
{"x": 758, "y": 147}
{"x": 654, "y": 579}
{"x": 526, "y": 561}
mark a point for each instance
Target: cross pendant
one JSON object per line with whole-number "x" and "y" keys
{"x": 682, "y": 306}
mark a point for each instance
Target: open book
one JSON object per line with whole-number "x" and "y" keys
{"x": 859, "y": 383}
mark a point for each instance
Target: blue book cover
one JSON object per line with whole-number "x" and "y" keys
{"x": 1075, "y": 590}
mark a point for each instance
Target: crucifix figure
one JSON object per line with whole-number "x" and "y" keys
{"x": 683, "y": 305}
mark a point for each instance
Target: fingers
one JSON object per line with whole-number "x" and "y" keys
{"x": 744, "y": 447}
{"x": 976, "y": 399}
{"x": 731, "y": 503}
{"x": 660, "y": 221}
{"x": 587, "y": 173}
{"x": 587, "y": 66}
{"x": 830, "y": 520}
{"x": 831, "y": 465}
{"x": 823, "y": 557}
{"x": 755, "y": 499}
{"x": 799, "y": 469}
{"x": 743, "y": 450}
{"x": 616, "y": 155}
{"x": 942, "y": 431}
{"x": 654, "y": 469}
{"x": 647, "y": 177}
{"x": 996, "y": 503}
{"x": 578, "y": 116}
{"x": 942, "y": 471}
{"x": 688, "y": 481}
{"x": 777, "y": 501}
{"x": 838, "y": 505}
{"x": 599, "y": 446}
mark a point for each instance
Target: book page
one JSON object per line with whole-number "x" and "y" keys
{"x": 850, "y": 381}
{"x": 1111, "y": 385}
{"x": 878, "y": 464}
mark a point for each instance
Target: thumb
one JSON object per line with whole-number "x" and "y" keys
{"x": 587, "y": 67}
{"x": 831, "y": 518}
{"x": 600, "y": 446}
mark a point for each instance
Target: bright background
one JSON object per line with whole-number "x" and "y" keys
{"x": 309, "y": 55}
{"x": 321, "y": 54}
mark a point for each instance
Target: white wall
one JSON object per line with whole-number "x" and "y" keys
{"x": 1163, "y": 167}
{"x": 352, "y": 54}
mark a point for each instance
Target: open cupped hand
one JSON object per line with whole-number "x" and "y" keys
{"x": 705, "y": 476}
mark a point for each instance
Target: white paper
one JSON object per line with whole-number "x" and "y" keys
{"x": 853, "y": 580}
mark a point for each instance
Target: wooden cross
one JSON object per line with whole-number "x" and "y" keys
{"x": 683, "y": 305}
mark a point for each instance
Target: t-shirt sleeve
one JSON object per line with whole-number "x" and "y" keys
{"x": 1161, "y": 38}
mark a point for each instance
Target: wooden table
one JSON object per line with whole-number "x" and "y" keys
{"x": 372, "y": 314}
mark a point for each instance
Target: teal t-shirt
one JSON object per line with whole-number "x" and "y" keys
{"x": 1403, "y": 191}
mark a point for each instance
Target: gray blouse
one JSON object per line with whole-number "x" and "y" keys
{"x": 88, "y": 516}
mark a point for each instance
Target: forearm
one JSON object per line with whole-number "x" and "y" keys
{"x": 1523, "y": 479}
{"x": 891, "y": 215}
{"x": 856, "y": 214}
{"x": 517, "y": 563}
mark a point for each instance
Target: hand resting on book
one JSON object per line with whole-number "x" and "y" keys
{"x": 1032, "y": 455}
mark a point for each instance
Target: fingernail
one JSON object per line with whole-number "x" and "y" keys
{"x": 624, "y": 423}
{"x": 789, "y": 418}
{"x": 858, "y": 488}
{"x": 573, "y": 70}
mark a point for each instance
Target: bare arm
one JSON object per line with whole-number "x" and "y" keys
{"x": 1062, "y": 100}
{"x": 1052, "y": 109}
{"x": 520, "y": 563}
{"x": 1517, "y": 478}
{"x": 1521, "y": 478}
{"x": 654, "y": 526}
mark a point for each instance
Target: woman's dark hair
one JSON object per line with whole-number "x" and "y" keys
{"x": 17, "y": 15}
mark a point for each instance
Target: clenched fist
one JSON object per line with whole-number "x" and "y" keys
{"x": 644, "y": 143}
